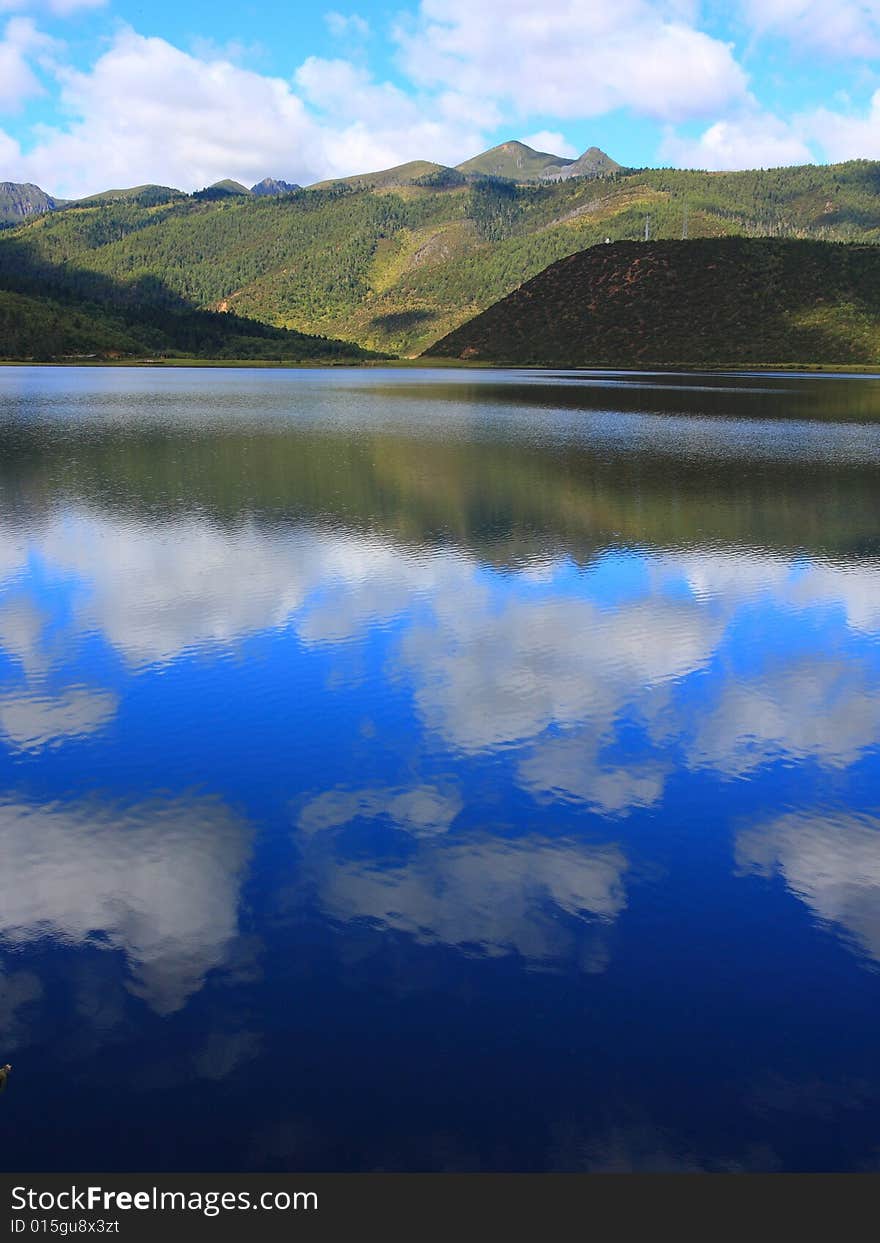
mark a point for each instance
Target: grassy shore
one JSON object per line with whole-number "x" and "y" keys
{"x": 447, "y": 364}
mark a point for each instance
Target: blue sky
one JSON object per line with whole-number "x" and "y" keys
{"x": 100, "y": 93}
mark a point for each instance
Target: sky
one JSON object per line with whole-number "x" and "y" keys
{"x": 98, "y": 94}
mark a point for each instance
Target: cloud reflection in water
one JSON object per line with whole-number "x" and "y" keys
{"x": 157, "y": 880}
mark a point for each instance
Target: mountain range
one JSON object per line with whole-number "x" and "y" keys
{"x": 512, "y": 161}
{"x": 395, "y": 260}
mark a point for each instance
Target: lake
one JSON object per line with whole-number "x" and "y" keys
{"x": 439, "y": 770}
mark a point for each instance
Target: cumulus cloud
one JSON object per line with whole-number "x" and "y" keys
{"x": 347, "y": 25}
{"x": 10, "y": 151}
{"x": 739, "y": 578}
{"x": 36, "y": 720}
{"x": 552, "y": 141}
{"x": 57, "y": 8}
{"x": 848, "y": 135}
{"x": 832, "y": 863}
{"x": 572, "y": 60}
{"x": 571, "y": 768}
{"x": 494, "y": 676}
{"x": 845, "y": 28}
{"x": 147, "y": 106}
{"x": 22, "y": 628}
{"x": 805, "y": 706}
{"x": 756, "y": 140}
{"x": 155, "y": 598}
{"x": 21, "y": 43}
{"x": 484, "y": 896}
{"x": 160, "y": 880}
{"x": 147, "y": 111}
{"x": 812, "y": 708}
{"x": 421, "y": 811}
{"x": 488, "y": 665}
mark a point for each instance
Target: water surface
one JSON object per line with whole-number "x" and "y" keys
{"x": 439, "y": 770}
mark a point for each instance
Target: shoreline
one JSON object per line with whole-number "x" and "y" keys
{"x": 420, "y": 364}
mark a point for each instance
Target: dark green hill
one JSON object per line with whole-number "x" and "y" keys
{"x": 43, "y": 329}
{"x": 396, "y": 260}
{"x": 144, "y": 196}
{"x": 386, "y": 178}
{"x": 710, "y": 301}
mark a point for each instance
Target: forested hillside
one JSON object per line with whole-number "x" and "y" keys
{"x": 397, "y": 260}
{"x": 723, "y": 301}
{"x": 45, "y": 329}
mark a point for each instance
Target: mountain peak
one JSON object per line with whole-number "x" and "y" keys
{"x": 515, "y": 161}
{"x": 593, "y": 163}
{"x": 18, "y": 200}
{"x": 269, "y": 186}
{"x": 222, "y": 190}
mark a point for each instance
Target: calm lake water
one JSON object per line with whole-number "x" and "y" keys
{"x": 439, "y": 770}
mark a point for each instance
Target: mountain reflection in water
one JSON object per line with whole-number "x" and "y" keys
{"x": 439, "y": 770}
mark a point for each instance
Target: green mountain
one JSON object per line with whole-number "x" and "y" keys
{"x": 145, "y": 196}
{"x": 513, "y": 161}
{"x": 19, "y": 201}
{"x": 708, "y": 301}
{"x": 397, "y": 259}
{"x": 45, "y": 329}
{"x": 222, "y": 190}
{"x": 593, "y": 163}
{"x": 387, "y": 178}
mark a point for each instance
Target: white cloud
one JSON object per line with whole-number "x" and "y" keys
{"x": 21, "y": 631}
{"x": 35, "y": 720}
{"x": 571, "y": 768}
{"x": 810, "y": 708}
{"x": 347, "y": 26}
{"x": 830, "y": 863}
{"x": 66, "y": 8}
{"x": 147, "y": 111}
{"x": 569, "y": 59}
{"x": 21, "y": 43}
{"x": 159, "y": 879}
{"x": 421, "y": 811}
{"x": 487, "y": 667}
{"x": 10, "y": 153}
{"x": 760, "y": 140}
{"x": 489, "y": 675}
{"x": 757, "y": 140}
{"x": 377, "y": 125}
{"x": 552, "y": 141}
{"x": 737, "y": 578}
{"x": 846, "y": 28}
{"x": 154, "y": 598}
{"x": 847, "y": 135}
{"x": 484, "y": 896}
{"x": 58, "y": 8}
